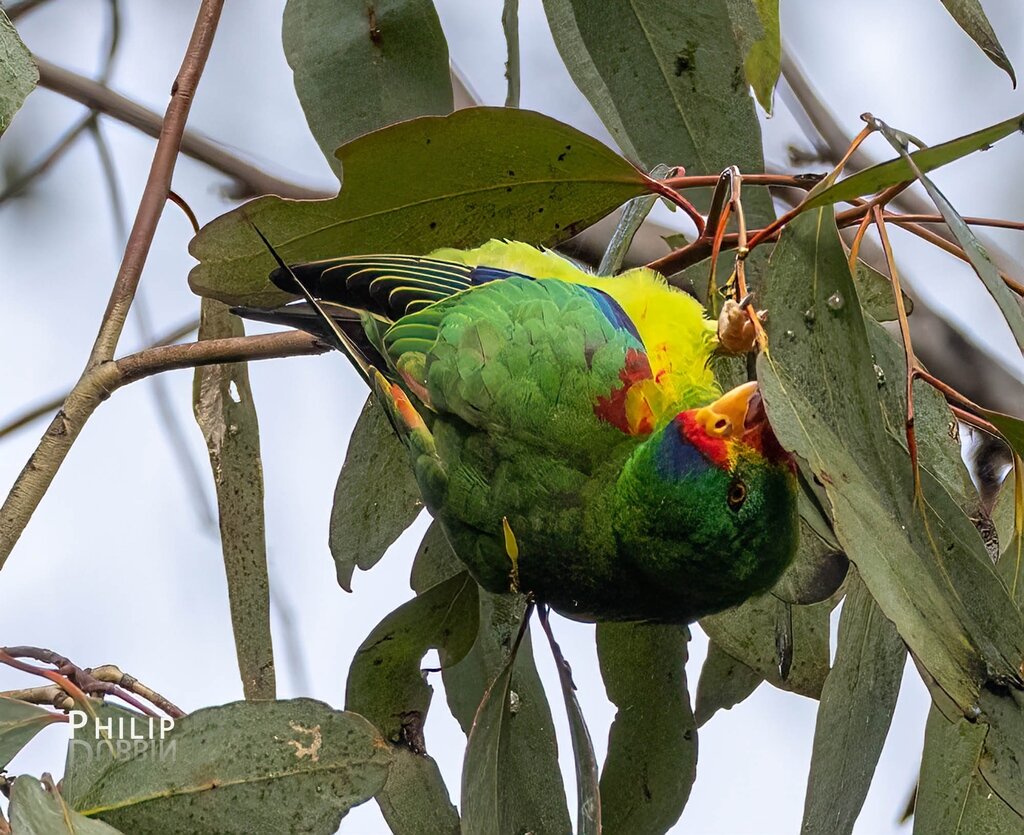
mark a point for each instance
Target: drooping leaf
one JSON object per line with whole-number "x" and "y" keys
{"x": 376, "y": 497}
{"x": 510, "y": 25}
{"x": 952, "y": 796}
{"x": 724, "y": 682}
{"x": 857, "y": 703}
{"x": 756, "y": 24}
{"x": 1009, "y": 303}
{"x": 419, "y": 185}
{"x": 19, "y": 722}
{"x": 970, "y": 17}
{"x": 1002, "y": 709}
{"x": 38, "y": 811}
{"x": 1011, "y": 561}
{"x": 226, "y": 414}
{"x": 18, "y": 73}
{"x": 385, "y": 683}
{"x": 786, "y": 645}
{"x": 414, "y": 800}
{"x": 435, "y": 561}
{"x": 285, "y": 766}
{"x": 633, "y": 216}
{"x": 886, "y": 174}
{"x": 875, "y": 293}
{"x": 511, "y": 781}
{"x": 924, "y": 563}
{"x": 667, "y": 80}
{"x": 652, "y": 745}
{"x": 588, "y": 793}
{"x": 816, "y": 573}
{"x": 358, "y": 67}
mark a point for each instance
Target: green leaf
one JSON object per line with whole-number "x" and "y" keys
{"x": 881, "y": 176}
{"x": 285, "y": 766}
{"x": 1011, "y": 561}
{"x": 875, "y": 293}
{"x": 952, "y": 796}
{"x": 816, "y": 573}
{"x": 633, "y": 216}
{"x": 38, "y": 811}
{"x": 385, "y": 683}
{"x": 376, "y": 497}
{"x": 924, "y": 563}
{"x": 435, "y": 560}
{"x": 652, "y": 745}
{"x": 224, "y": 409}
{"x": 420, "y": 185}
{"x": 511, "y": 781}
{"x": 358, "y": 67}
{"x": 19, "y": 722}
{"x": 970, "y": 17}
{"x": 667, "y": 80}
{"x": 786, "y": 645}
{"x": 18, "y": 73}
{"x": 414, "y": 800}
{"x": 588, "y": 793}
{"x": 1009, "y": 303}
{"x": 510, "y": 25}
{"x": 1012, "y": 428}
{"x": 724, "y": 683}
{"x": 756, "y": 24}
{"x": 857, "y": 703}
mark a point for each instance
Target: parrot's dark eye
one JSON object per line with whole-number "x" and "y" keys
{"x": 737, "y": 494}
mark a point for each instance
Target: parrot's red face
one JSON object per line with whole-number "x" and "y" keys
{"x": 735, "y": 420}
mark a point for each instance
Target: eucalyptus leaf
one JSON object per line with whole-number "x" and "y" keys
{"x": 376, "y": 497}
{"x": 414, "y": 800}
{"x": 756, "y": 24}
{"x": 885, "y": 174}
{"x": 1009, "y": 303}
{"x": 875, "y": 293}
{"x": 633, "y": 216}
{"x": 952, "y": 797}
{"x": 970, "y": 17}
{"x": 857, "y": 703}
{"x": 19, "y": 722}
{"x": 358, "y": 67}
{"x": 385, "y": 683}
{"x": 38, "y": 811}
{"x": 652, "y": 745}
{"x": 416, "y": 186}
{"x": 724, "y": 682}
{"x": 923, "y": 562}
{"x": 244, "y": 767}
{"x": 511, "y": 781}
{"x": 667, "y": 80}
{"x": 588, "y": 793}
{"x": 224, "y": 409}
{"x": 18, "y": 73}
{"x": 786, "y": 645}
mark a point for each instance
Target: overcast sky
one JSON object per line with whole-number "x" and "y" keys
{"x": 116, "y": 566}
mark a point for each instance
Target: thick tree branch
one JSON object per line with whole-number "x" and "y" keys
{"x": 249, "y": 180}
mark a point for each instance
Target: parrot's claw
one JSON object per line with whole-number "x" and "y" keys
{"x": 737, "y": 333}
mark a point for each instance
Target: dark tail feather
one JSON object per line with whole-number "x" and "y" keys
{"x": 304, "y": 317}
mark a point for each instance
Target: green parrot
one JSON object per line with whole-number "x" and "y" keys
{"x": 564, "y": 428}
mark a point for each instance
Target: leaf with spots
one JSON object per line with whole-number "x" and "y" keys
{"x": 18, "y": 73}
{"x": 267, "y": 766}
{"x": 377, "y": 63}
{"x": 36, "y": 810}
{"x": 420, "y": 185}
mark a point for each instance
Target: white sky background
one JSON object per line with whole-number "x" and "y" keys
{"x": 115, "y": 567}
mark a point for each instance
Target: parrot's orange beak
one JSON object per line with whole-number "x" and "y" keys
{"x": 730, "y": 414}
{"x": 738, "y": 415}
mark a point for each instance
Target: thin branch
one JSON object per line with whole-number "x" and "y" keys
{"x": 249, "y": 179}
{"x": 52, "y": 404}
{"x": 98, "y": 383}
{"x": 47, "y": 160}
{"x": 16, "y": 10}
{"x": 158, "y": 184}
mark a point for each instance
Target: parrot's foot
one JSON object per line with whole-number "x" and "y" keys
{"x": 736, "y": 331}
